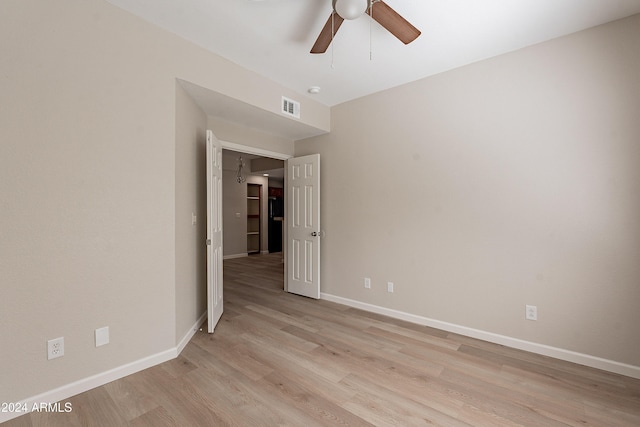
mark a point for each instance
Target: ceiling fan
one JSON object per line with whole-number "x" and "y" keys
{"x": 352, "y": 9}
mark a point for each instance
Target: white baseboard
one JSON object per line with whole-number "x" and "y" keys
{"x": 545, "y": 350}
{"x": 232, "y": 256}
{"x": 97, "y": 380}
{"x": 187, "y": 337}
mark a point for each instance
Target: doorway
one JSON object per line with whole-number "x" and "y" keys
{"x": 253, "y": 211}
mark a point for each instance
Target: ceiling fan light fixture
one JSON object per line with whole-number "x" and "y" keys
{"x": 350, "y": 9}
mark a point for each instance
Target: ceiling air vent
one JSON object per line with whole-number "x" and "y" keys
{"x": 290, "y": 107}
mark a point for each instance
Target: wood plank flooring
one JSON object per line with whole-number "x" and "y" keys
{"x": 281, "y": 360}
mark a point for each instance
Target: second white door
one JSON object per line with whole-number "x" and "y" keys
{"x": 303, "y": 225}
{"x": 214, "y": 230}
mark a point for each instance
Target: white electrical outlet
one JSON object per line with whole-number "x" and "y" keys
{"x": 531, "y": 312}
{"x": 389, "y": 286}
{"x": 55, "y": 348}
{"x": 367, "y": 283}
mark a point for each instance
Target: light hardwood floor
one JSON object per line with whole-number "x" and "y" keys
{"x": 279, "y": 359}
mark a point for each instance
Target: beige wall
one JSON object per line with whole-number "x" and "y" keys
{"x": 190, "y": 154}
{"x": 238, "y": 134}
{"x": 234, "y": 215}
{"x": 508, "y": 182}
{"x": 95, "y": 187}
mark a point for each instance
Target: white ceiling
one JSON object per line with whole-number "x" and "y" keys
{"x": 273, "y": 38}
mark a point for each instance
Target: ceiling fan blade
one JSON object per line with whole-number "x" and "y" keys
{"x": 393, "y": 22}
{"x": 325, "y": 37}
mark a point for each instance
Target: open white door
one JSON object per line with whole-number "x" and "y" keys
{"x": 214, "y": 230}
{"x": 303, "y": 225}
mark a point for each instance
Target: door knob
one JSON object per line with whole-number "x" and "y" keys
{"x": 315, "y": 234}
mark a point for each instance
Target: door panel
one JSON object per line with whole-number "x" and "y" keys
{"x": 214, "y": 231}
{"x": 303, "y": 226}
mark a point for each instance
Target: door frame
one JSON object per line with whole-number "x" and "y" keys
{"x": 246, "y": 149}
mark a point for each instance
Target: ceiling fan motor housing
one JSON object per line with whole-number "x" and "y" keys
{"x": 350, "y": 9}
